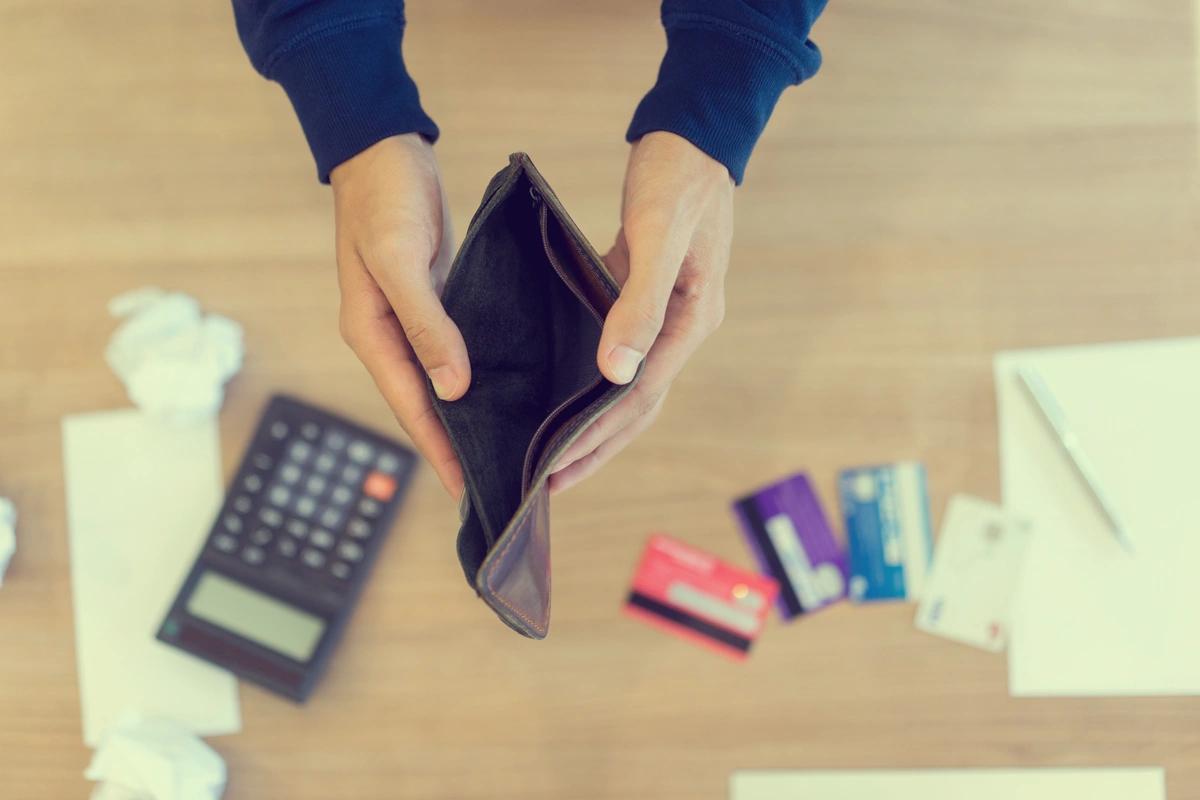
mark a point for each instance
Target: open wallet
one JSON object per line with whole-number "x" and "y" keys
{"x": 529, "y": 294}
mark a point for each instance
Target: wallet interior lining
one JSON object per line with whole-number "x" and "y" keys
{"x": 532, "y": 344}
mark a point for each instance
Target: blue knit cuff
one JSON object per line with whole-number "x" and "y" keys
{"x": 717, "y": 87}
{"x": 350, "y": 90}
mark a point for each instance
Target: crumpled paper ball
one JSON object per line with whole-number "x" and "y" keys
{"x": 146, "y": 758}
{"x": 173, "y": 359}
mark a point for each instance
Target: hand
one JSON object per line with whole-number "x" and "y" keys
{"x": 393, "y": 252}
{"x": 670, "y": 257}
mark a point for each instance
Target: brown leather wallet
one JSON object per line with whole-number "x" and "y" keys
{"x": 530, "y": 295}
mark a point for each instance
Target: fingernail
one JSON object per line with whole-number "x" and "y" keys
{"x": 623, "y": 361}
{"x": 443, "y": 381}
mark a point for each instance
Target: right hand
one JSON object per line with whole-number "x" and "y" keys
{"x": 393, "y": 252}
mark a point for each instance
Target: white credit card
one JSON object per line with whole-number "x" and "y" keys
{"x": 976, "y": 567}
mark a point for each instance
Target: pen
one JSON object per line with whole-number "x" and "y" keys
{"x": 1052, "y": 412}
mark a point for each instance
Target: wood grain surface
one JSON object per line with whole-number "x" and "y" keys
{"x": 960, "y": 178}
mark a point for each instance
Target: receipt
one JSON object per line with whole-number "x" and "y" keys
{"x": 173, "y": 359}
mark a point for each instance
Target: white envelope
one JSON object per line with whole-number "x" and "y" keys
{"x": 1089, "y": 618}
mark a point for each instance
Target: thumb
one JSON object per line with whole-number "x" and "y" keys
{"x": 434, "y": 338}
{"x": 634, "y": 321}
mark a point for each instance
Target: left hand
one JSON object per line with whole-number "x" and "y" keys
{"x": 670, "y": 258}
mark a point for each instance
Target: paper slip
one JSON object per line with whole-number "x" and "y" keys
{"x": 140, "y": 496}
{"x": 1148, "y": 783}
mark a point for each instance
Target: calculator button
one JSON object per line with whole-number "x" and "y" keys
{"x": 379, "y": 486}
{"x": 315, "y": 485}
{"x": 263, "y": 461}
{"x": 351, "y": 551}
{"x": 300, "y": 451}
{"x": 287, "y": 548}
{"x": 261, "y": 536}
{"x": 352, "y": 474}
{"x": 271, "y": 516}
{"x": 225, "y": 543}
{"x": 242, "y": 504}
{"x": 360, "y": 452}
{"x": 306, "y": 506}
{"x": 313, "y": 558}
{"x": 253, "y": 555}
{"x": 340, "y": 571}
{"x": 253, "y": 484}
{"x": 341, "y": 495}
{"x": 279, "y": 430}
{"x": 321, "y": 538}
{"x": 279, "y": 496}
{"x": 388, "y": 462}
{"x": 359, "y": 528}
{"x": 297, "y": 528}
{"x": 332, "y": 518}
{"x": 232, "y": 523}
{"x": 368, "y": 507}
{"x": 325, "y": 462}
{"x": 310, "y": 431}
{"x": 335, "y": 440}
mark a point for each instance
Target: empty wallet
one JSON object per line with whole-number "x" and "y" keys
{"x": 529, "y": 294}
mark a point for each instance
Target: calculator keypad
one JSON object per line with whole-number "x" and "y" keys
{"x": 308, "y": 501}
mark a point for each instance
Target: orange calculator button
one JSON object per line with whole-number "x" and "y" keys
{"x": 379, "y": 486}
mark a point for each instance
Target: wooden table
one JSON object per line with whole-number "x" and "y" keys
{"x": 960, "y": 179}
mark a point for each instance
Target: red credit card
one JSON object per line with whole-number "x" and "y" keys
{"x": 697, "y": 596}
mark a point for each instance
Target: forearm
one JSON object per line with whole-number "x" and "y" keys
{"x": 341, "y": 65}
{"x": 726, "y": 65}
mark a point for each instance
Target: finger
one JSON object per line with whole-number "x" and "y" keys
{"x": 408, "y": 283}
{"x": 401, "y": 380}
{"x": 688, "y": 325}
{"x": 589, "y": 464}
{"x": 376, "y": 337}
{"x": 633, "y": 323}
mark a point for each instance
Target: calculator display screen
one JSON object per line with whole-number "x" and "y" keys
{"x": 256, "y": 616}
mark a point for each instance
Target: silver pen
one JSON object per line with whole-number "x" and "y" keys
{"x": 1052, "y": 412}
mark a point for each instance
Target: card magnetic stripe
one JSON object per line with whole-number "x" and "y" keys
{"x": 690, "y": 621}
{"x": 757, "y": 529}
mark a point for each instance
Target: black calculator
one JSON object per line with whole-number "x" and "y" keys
{"x": 290, "y": 550}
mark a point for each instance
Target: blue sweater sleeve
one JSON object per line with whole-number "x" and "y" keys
{"x": 726, "y": 65}
{"x": 340, "y": 63}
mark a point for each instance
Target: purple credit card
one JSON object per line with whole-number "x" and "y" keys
{"x": 790, "y": 535}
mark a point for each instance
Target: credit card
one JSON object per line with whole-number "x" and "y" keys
{"x": 698, "y": 597}
{"x": 888, "y": 531}
{"x": 980, "y": 552}
{"x": 790, "y": 536}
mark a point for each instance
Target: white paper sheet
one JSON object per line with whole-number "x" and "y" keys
{"x": 141, "y": 494}
{"x": 1089, "y": 618}
{"x": 951, "y": 784}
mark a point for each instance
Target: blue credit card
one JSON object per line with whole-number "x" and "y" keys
{"x": 888, "y": 530}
